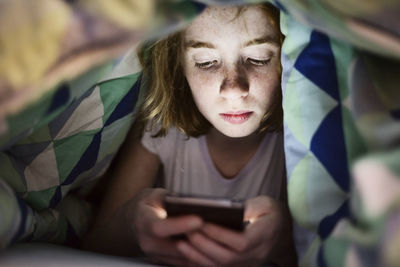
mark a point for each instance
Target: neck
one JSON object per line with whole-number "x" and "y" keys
{"x": 218, "y": 140}
{"x": 230, "y": 154}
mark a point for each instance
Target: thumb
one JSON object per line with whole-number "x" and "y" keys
{"x": 258, "y": 207}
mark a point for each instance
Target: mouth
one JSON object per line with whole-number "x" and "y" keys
{"x": 236, "y": 117}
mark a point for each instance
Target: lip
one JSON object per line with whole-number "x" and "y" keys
{"x": 236, "y": 117}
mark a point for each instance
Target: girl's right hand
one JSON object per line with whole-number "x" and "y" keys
{"x": 155, "y": 234}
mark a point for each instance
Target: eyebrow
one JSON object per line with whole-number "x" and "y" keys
{"x": 256, "y": 41}
{"x": 198, "y": 44}
{"x": 262, "y": 40}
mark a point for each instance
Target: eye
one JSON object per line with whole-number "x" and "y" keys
{"x": 258, "y": 62}
{"x": 206, "y": 65}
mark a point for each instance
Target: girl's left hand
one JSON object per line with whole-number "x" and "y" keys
{"x": 267, "y": 232}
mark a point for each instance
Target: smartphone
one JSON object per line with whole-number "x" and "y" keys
{"x": 228, "y": 213}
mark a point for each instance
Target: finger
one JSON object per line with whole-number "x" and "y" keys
{"x": 155, "y": 198}
{"x": 237, "y": 241}
{"x": 215, "y": 251}
{"x": 223, "y": 255}
{"x": 150, "y": 205}
{"x": 258, "y": 207}
{"x": 175, "y": 226}
{"x": 266, "y": 218}
{"x": 193, "y": 255}
{"x": 147, "y": 217}
{"x": 161, "y": 228}
{"x": 149, "y": 213}
{"x": 270, "y": 225}
{"x": 263, "y": 227}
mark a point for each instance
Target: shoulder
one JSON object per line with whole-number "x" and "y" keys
{"x": 158, "y": 145}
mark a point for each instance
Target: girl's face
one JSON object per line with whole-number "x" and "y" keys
{"x": 231, "y": 65}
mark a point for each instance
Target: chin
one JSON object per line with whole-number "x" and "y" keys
{"x": 237, "y": 133}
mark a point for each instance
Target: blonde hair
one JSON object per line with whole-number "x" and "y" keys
{"x": 168, "y": 100}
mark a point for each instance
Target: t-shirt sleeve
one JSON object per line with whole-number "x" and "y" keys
{"x": 164, "y": 147}
{"x": 150, "y": 143}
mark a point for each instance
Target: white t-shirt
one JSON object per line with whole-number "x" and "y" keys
{"x": 189, "y": 169}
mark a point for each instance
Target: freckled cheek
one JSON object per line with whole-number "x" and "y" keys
{"x": 263, "y": 86}
{"x": 203, "y": 92}
{"x": 203, "y": 81}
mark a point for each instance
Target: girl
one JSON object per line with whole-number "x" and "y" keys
{"x": 210, "y": 124}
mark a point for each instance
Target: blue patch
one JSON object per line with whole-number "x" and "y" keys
{"x": 329, "y": 147}
{"x": 317, "y": 63}
{"x": 127, "y": 104}
{"x": 89, "y": 157}
{"x": 60, "y": 98}
{"x": 24, "y": 214}
{"x": 87, "y": 160}
{"x": 329, "y": 222}
{"x": 58, "y": 123}
{"x": 199, "y": 6}
{"x": 23, "y": 155}
{"x": 280, "y": 6}
{"x": 73, "y": 239}
{"x": 320, "y": 257}
{"x": 56, "y": 198}
{"x": 395, "y": 114}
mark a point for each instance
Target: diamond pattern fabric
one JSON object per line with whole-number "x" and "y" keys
{"x": 337, "y": 128}
{"x": 342, "y": 130}
{"x": 69, "y": 153}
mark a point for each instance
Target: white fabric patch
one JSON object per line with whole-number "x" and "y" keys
{"x": 87, "y": 116}
{"x": 42, "y": 173}
{"x": 352, "y": 258}
{"x": 303, "y": 122}
{"x": 347, "y": 102}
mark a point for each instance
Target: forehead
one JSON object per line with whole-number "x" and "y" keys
{"x": 218, "y": 22}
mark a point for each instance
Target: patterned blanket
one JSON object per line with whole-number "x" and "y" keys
{"x": 341, "y": 66}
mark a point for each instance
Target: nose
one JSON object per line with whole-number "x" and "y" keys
{"x": 235, "y": 84}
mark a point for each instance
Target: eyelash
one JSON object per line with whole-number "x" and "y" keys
{"x": 206, "y": 65}
{"x": 255, "y": 62}
{"x": 258, "y": 62}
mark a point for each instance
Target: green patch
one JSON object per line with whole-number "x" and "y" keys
{"x": 113, "y": 136}
{"x": 305, "y": 106}
{"x": 344, "y": 56}
{"x": 355, "y": 145}
{"x": 297, "y": 37}
{"x": 29, "y": 118}
{"x": 39, "y": 136}
{"x": 297, "y": 192}
{"x": 112, "y": 92}
{"x": 335, "y": 251}
{"x": 86, "y": 81}
{"x": 69, "y": 151}
{"x": 10, "y": 174}
{"x": 40, "y": 200}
